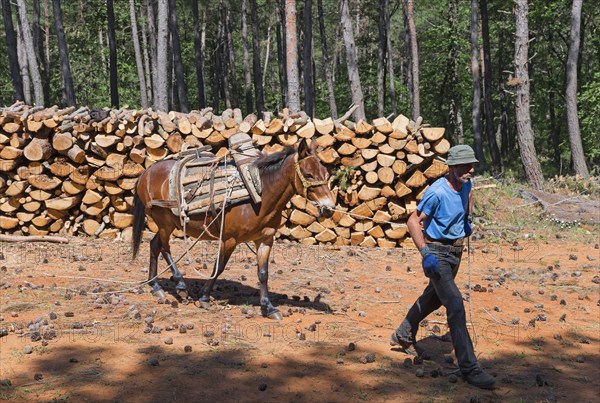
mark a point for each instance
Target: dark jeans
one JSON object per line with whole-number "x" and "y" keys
{"x": 445, "y": 292}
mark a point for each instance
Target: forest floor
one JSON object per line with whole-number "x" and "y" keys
{"x": 77, "y": 326}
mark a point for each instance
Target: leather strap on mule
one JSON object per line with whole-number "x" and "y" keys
{"x": 306, "y": 184}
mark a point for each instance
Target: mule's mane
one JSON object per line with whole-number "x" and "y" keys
{"x": 269, "y": 163}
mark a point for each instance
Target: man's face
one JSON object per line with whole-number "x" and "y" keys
{"x": 462, "y": 172}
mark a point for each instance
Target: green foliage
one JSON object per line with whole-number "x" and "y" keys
{"x": 589, "y": 115}
{"x": 549, "y": 22}
{"x": 342, "y": 177}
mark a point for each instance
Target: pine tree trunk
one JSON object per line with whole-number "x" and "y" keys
{"x": 177, "y": 62}
{"x": 24, "y": 68}
{"x": 152, "y": 45}
{"x": 161, "y": 90}
{"x": 487, "y": 90}
{"x": 138, "y": 55}
{"x": 281, "y": 46}
{"x": 455, "y": 125}
{"x": 381, "y": 59}
{"x": 390, "y": 54}
{"x": 146, "y": 57}
{"x": 246, "y": 60}
{"x": 199, "y": 55}
{"x": 326, "y": 62}
{"x": 577, "y": 156}
{"x": 231, "y": 60}
{"x": 13, "y": 58}
{"x": 414, "y": 58}
{"x": 525, "y": 137}
{"x": 309, "y": 93}
{"x": 291, "y": 58}
{"x": 352, "y": 61}
{"x": 34, "y": 71}
{"x": 256, "y": 70}
{"x": 65, "y": 68}
{"x": 112, "y": 54}
{"x": 476, "y": 113}
{"x": 217, "y": 83}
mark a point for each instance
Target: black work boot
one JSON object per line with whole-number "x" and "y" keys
{"x": 480, "y": 379}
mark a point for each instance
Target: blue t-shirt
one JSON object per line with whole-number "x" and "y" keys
{"x": 445, "y": 209}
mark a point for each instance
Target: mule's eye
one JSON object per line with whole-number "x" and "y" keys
{"x": 309, "y": 176}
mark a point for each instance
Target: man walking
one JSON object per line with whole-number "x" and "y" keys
{"x": 444, "y": 212}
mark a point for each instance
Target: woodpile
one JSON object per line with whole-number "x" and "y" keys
{"x": 73, "y": 170}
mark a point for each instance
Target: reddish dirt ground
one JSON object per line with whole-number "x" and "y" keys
{"x": 533, "y": 308}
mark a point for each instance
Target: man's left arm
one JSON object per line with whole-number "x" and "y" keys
{"x": 469, "y": 215}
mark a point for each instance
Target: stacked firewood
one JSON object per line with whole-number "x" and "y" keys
{"x": 73, "y": 171}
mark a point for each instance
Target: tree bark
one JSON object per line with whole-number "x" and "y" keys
{"x": 199, "y": 55}
{"x": 390, "y": 58}
{"x": 309, "y": 93}
{"x": 161, "y": 90}
{"x": 455, "y": 124}
{"x": 577, "y": 155}
{"x": 112, "y": 54}
{"x": 554, "y": 132}
{"x": 414, "y": 61}
{"x": 487, "y": 90}
{"x": 23, "y": 68}
{"x": 326, "y": 62}
{"x": 34, "y": 71}
{"x": 232, "y": 68}
{"x": 382, "y": 43}
{"x": 65, "y": 67}
{"x": 352, "y": 61}
{"x": 42, "y": 53}
{"x": 138, "y": 55}
{"x": 256, "y": 70}
{"x": 152, "y": 41}
{"x": 177, "y": 62}
{"x": 291, "y": 58}
{"x": 476, "y": 112}
{"x": 218, "y": 67}
{"x": 525, "y": 137}
{"x": 13, "y": 58}
{"x": 281, "y": 50}
{"x": 146, "y": 58}
{"x": 246, "y": 60}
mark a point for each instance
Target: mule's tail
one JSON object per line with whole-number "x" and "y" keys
{"x": 138, "y": 223}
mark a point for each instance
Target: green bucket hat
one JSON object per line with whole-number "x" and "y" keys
{"x": 461, "y": 154}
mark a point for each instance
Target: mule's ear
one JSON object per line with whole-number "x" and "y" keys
{"x": 303, "y": 149}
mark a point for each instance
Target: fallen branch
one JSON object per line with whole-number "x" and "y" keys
{"x": 347, "y": 114}
{"x": 33, "y": 238}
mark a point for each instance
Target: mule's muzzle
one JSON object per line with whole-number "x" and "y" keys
{"x": 325, "y": 210}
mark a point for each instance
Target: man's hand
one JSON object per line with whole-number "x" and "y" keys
{"x": 431, "y": 267}
{"x": 468, "y": 228}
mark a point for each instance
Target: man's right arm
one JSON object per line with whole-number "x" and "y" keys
{"x": 414, "y": 228}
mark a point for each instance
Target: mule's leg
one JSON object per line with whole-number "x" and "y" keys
{"x": 227, "y": 248}
{"x": 155, "y": 248}
{"x": 263, "y": 251}
{"x": 180, "y": 287}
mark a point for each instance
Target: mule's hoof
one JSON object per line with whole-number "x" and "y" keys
{"x": 275, "y": 315}
{"x": 159, "y": 294}
{"x": 204, "y": 304}
{"x": 183, "y": 294}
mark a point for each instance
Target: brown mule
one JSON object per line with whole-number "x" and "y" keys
{"x": 283, "y": 174}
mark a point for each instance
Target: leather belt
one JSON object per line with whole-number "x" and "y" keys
{"x": 447, "y": 242}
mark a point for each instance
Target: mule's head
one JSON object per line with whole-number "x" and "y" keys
{"x": 312, "y": 178}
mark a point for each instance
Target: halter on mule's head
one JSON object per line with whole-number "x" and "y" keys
{"x": 314, "y": 178}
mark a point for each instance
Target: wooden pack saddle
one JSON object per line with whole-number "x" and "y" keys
{"x": 200, "y": 182}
